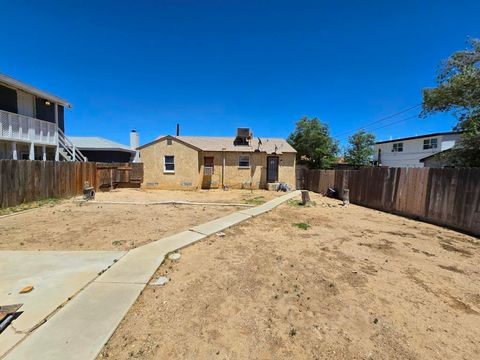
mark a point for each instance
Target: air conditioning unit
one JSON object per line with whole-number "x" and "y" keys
{"x": 244, "y": 133}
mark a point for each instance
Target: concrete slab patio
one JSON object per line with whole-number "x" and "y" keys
{"x": 86, "y": 322}
{"x": 55, "y": 275}
{"x": 83, "y": 326}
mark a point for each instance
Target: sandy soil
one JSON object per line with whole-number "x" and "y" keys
{"x": 89, "y": 226}
{"x": 214, "y": 195}
{"x": 358, "y": 284}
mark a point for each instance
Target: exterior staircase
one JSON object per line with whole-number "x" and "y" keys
{"x": 67, "y": 150}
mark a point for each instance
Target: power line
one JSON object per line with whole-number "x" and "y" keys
{"x": 387, "y": 125}
{"x": 379, "y": 120}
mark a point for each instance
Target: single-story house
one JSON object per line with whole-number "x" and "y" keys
{"x": 438, "y": 160}
{"x": 98, "y": 149}
{"x": 193, "y": 162}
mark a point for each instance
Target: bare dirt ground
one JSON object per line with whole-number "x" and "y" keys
{"x": 214, "y": 195}
{"x": 89, "y": 226}
{"x": 357, "y": 284}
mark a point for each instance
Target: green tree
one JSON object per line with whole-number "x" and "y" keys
{"x": 458, "y": 92}
{"x": 315, "y": 147}
{"x": 360, "y": 149}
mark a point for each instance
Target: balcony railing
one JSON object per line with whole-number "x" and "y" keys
{"x": 16, "y": 127}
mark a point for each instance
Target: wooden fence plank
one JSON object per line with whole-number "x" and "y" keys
{"x": 448, "y": 197}
{"x": 24, "y": 180}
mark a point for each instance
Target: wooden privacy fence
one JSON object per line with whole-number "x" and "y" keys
{"x": 24, "y": 180}
{"x": 449, "y": 197}
{"x": 119, "y": 175}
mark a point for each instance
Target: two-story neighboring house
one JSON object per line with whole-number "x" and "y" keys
{"x": 32, "y": 124}
{"x": 413, "y": 151}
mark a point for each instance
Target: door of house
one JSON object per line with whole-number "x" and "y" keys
{"x": 208, "y": 165}
{"x": 207, "y": 172}
{"x": 272, "y": 169}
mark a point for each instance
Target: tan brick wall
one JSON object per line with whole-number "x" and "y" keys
{"x": 189, "y": 169}
{"x": 186, "y": 174}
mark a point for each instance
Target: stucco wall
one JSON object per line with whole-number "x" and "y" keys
{"x": 189, "y": 168}
{"x": 286, "y": 169}
{"x": 186, "y": 174}
{"x": 256, "y": 175}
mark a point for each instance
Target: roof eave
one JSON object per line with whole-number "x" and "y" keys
{"x": 418, "y": 137}
{"x": 168, "y": 137}
{"x": 33, "y": 90}
{"x": 104, "y": 149}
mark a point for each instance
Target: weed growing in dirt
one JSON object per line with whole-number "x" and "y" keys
{"x": 303, "y": 226}
{"x": 30, "y": 205}
{"x": 259, "y": 200}
{"x": 118, "y": 242}
{"x": 298, "y": 203}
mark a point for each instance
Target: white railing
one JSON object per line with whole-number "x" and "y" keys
{"x": 70, "y": 152}
{"x": 24, "y": 128}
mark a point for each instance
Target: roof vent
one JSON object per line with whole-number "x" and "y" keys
{"x": 244, "y": 135}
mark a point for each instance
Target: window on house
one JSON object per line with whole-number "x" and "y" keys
{"x": 244, "y": 161}
{"x": 169, "y": 163}
{"x": 397, "y": 147}
{"x": 169, "y": 141}
{"x": 430, "y": 144}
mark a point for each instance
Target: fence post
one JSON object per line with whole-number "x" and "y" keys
{"x": 346, "y": 197}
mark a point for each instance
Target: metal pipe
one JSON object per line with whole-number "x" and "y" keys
{"x": 223, "y": 168}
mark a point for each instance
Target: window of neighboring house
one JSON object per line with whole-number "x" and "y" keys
{"x": 397, "y": 147}
{"x": 169, "y": 141}
{"x": 169, "y": 164}
{"x": 430, "y": 144}
{"x": 244, "y": 161}
{"x": 208, "y": 165}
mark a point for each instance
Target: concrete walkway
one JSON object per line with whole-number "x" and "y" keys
{"x": 56, "y": 277}
{"x": 84, "y": 325}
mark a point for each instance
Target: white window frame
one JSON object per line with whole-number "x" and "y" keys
{"x": 169, "y": 163}
{"x": 399, "y": 145}
{"x": 240, "y": 160}
{"x": 427, "y": 144}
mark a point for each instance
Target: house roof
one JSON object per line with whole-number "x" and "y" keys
{"x": 98, "y": 143}
{"x": 418, "y": 137}
{"x": 32, "y": 90}
{"x": 211, "y": 143}
{"x": 440, "y": 153}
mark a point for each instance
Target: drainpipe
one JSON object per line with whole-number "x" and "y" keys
{"x": 223, "y": 168}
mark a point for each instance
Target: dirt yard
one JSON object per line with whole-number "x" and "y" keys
{"x": 356, "y": 284}
{"x": 69, "y": 225}
{"x": 221, "y": 196}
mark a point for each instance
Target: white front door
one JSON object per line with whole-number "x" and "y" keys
{"x": 26, "y": 104}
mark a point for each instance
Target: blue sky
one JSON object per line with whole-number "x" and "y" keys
{"x": 213, "y": 66}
